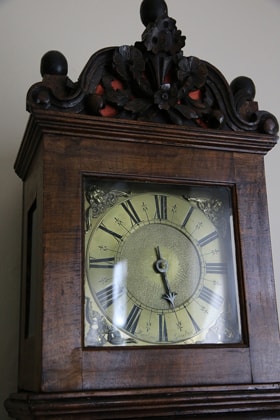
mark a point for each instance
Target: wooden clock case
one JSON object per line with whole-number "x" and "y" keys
{"x": 69, "y": 136}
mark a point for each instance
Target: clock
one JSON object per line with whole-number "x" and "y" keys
{"x": 159, "y": 264}
{"x": 147, "y": 279}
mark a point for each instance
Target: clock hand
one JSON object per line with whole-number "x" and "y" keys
{"x": 162, "y": 267}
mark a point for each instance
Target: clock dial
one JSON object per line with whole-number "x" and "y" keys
{"x": 158, "y": 266}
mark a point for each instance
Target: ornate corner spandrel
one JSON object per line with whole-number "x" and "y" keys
{"x": 152, "y": 81}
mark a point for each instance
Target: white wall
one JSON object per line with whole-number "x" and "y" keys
{"x": 239, "y": 37}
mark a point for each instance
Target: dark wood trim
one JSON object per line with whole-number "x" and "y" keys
{"x": 49, "y": 122}
{"x": 239, "y": 402}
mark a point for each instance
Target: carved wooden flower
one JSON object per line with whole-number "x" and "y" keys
{"x": 166, "y": 97}
{"x": 192, "y": 72}
{"x": 163, "y": 36}
{"x": 128, "y": 61}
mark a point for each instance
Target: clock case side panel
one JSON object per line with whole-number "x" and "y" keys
{"x": 50, "y": 358}
{"x": 30, "y": 354}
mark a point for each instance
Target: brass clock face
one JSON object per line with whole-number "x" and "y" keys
{"x": 159, "y": 265}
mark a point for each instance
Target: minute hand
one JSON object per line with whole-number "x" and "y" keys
{"x": 162, "y": 268}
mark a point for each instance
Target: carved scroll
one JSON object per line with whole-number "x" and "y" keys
{"x": 152, "y": 81}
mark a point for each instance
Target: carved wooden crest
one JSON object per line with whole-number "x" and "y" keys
{"x": 152, "y": 81}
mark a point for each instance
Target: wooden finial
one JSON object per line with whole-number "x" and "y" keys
{"x": 53, "y": 62}
{"x": 150, "y": 10}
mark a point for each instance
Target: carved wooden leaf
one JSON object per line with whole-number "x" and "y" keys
{"x": 138, "y": 105}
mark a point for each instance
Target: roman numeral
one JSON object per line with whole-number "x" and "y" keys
{"x": 132, "y": 319}
{"x": 188, "y": 215}
{"x": 161, "y": 207}
{"x": 216, "y": 268}
{"x": 128, "y": 207}
{"x": 208, "y": 238}
{"x": 107, "y": 296}
{"x": 101, "y": 262}
{"x": 211, "y": 297}
{"x": 116, "y": 235}
{"x": 163, "y": 336}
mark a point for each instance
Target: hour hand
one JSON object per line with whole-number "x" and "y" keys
{"x": 162, "y": 268}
